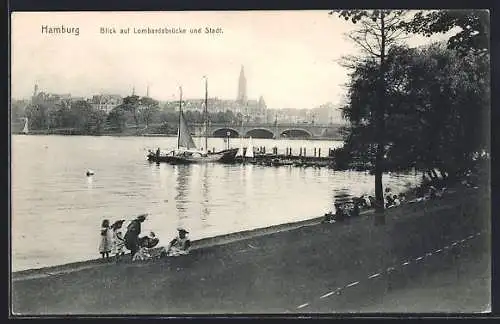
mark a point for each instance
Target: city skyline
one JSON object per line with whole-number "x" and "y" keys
{"x": 294, "y": 66}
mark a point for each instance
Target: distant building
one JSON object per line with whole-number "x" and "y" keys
{"x": 242, "y": 87}
{"x": 41, "y": 97}
{"x": 35, "y": 90}
{"x": 250, "y": 110}
{"x": 105, "y": 102}
{"x": 49, "y": 98}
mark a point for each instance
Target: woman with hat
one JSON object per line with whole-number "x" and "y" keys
{"x": 179, "y": 245}
{"x": 132, "y": 234}
{"x": 118, "y": 240}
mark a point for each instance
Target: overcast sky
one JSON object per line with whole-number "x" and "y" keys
{"x": 290, "y": 57}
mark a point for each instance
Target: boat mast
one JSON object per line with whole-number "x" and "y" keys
{"x": 206, "y": 114}
{"x": 180, "y": 113}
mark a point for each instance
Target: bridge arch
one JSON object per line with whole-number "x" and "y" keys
{"x": 296, "y": 133}
{"x": 222, "y": 132}
{"x": 259, "y": 133}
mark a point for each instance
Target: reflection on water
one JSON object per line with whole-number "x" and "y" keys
{"x": 57, "y": 210}
{"x": 182, "y": 173}
{"x": 205, "y": 213}
{"x": 89, "y": 183}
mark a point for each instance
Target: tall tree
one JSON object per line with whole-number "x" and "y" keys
{"x": 81, "y": 111}
{"x": 132, "y": 105}
{"x": 435, "y": 101}
{"x": 472, "y": 28}
{"x": 378, "y": 31}
{"x": 97, "y": 120}
{"x": 17, "y": 110}
{"x": 117, "y": 118}
{"x": 37, "y": 114}
{"x": 149, "y": 109}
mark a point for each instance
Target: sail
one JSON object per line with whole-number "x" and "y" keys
{"x": 249, "y": 152}
{"x": 185, "y": 138}
{"x": 25, "y": 129}
{"x": 240, "y": 150}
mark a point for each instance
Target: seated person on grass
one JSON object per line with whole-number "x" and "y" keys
{"x": 328, "y": 218}
{"x": 340, "y": 213}
{"x": 179, "y": 245}
{"x": 147, "y": 249}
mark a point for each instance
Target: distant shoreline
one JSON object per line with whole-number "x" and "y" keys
{"x": 45, "y": 133}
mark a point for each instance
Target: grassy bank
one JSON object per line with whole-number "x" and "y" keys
{"x": 270, "y": 273}
{"x": 196, "y": 244}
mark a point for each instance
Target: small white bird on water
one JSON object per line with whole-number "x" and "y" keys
{"x": 89, "y": 172}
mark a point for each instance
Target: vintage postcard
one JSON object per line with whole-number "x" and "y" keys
{"x": 250, "y": 162}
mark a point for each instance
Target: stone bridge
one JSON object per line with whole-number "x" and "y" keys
{"x": 270, "y": 130}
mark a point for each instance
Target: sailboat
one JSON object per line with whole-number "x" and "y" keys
{"x": 186, "y": 151}
{"x": 249, "y": 153}
{"x": 25, "y": 129}
{"x": 240, "y": 153}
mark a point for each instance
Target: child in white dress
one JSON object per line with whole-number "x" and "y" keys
{"x": 106, "y": 243}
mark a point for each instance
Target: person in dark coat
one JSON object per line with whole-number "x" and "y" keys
{"x": 373, "y": 202}
{"x": 132, "y": 235}
{"x": 355, "y": 210}
{"x": 339, "y": 213}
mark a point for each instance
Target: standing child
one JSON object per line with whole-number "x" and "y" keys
{"x": 118, "y": 240}
{"x": 106, "y": 239}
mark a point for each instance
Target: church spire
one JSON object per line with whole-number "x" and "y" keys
{"x": 242, "y": 87}
{"x": 35, "y": 89}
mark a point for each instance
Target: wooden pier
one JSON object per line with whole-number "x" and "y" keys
{"x": 288, "y": 159}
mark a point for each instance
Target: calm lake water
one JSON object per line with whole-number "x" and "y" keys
{"x": 57, "y": 210}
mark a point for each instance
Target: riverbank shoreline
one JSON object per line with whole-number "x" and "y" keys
{"x": 196, "y": 244}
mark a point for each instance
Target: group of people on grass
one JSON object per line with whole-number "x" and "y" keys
{"x": 352, "y": 207}
{"x": 113, "y": 242}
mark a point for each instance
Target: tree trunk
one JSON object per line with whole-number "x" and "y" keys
{"x": 136, "y": 120}
{"x": 379, "y": 195}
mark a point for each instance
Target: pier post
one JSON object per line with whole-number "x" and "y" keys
{"x": 213, "y": 149}
{"x": 314, "y": 152}
{"x": 290, "y": 150}
{"x": 319, "y": 152}
{"x": 300, "y": 152}
{"x": 304, "y": 151}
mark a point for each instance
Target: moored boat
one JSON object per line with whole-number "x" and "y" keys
{"x": 186, "y": 152}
